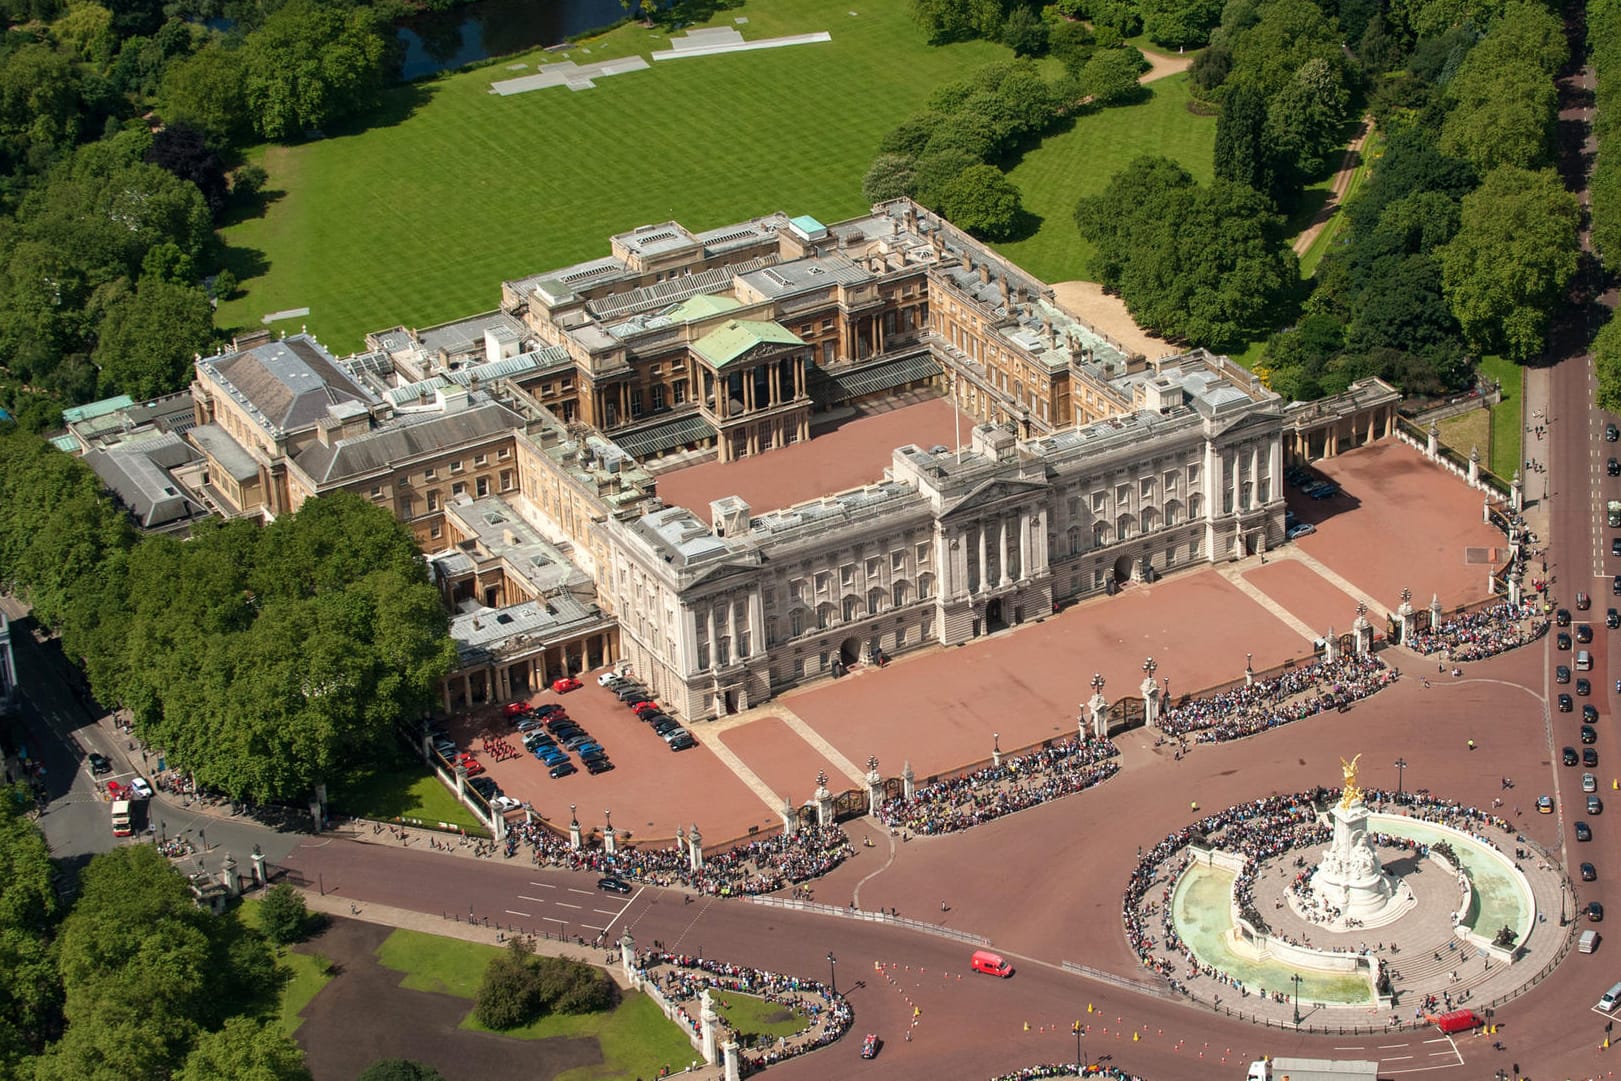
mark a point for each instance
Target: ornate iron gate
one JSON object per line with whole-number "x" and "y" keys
{"x": 1128, "y": 713}
{"x": 851, "y": 804}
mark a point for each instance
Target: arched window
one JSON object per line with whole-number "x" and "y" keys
{"x": 1100, "y": 534}
{"x": 875, "y": 601}
{"x": 925, "y": 586}
{"x": 1150, "y": 519}
{"x": 900, "y": 593}
{"x": 1195, "y": 506}
{"x": 852, "y": 609}
{"x": 826, "y": 615}
{"x": 796, "y": 622}
{"x": 1123, "y": 526}
{"x": 1074, "y": 540}
{"x": 1173, "y": 512}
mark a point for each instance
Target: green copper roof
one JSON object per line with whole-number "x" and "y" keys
{"x": 703, "y": 306}
{"x": 731, "y": 340}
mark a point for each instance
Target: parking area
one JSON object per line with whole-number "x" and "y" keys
{"x": 651, "y": 789}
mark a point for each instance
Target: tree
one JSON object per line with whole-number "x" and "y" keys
{"x": 935, "y": 171}
{"x": 958, "y": 20}
{"x": 30, "y": 996}
{"x": 245, "y": 1050}
{"x": 184, "y": 151}
{"x": 1607, "y": 366}
{"x": 205, "y": 91}
{"x": 1241, "y": 153}
{"x": 1110, "y": 77}
{"x": 982, "y": 201}
{"x": 1502, "y": 114}
{"x": 1024, "y": 32}
{"x": 282, "y": 915}
{"x": 310, "y": 65}
{"x": 1180, "y": 23}
{"x": 509, "y": 994}
{"x": 1514, "y": 253}
{"x": 889, "y": 177}
{"x": 149, "y": 336}
{"x": 41, "y": 106}
{"x": 400, "y": 1069}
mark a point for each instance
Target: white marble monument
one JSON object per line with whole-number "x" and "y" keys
{"x": 1349, "y": 877}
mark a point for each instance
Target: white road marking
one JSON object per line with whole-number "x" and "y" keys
{"x": 515, "y": 912}
{"x": 526, "y": 897}
{"x": 592, "y": 927}
{"x": 608, "y": 911}
{"x": 565, "y": 904}
{"x": 588, "y": 893}
{"x": 544, "y": 885}
{"x": 1393, "y": 1058}
{"x": 639, "y": 891}
{"x": 553, "y": 919}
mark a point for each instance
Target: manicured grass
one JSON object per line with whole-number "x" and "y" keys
{"x": 308, "y": 973}
{"x": 1508, "y": 416}
{"x": 753, "y": 1016}
{"x": 1466, "y": 431}
{"x": 403, "y": 790}
{"x": 635, "y": 1037}
{"x": 418, "y": 219}
{"x": 1080, "y": 160}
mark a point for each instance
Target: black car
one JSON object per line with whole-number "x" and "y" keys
{"x": 1615, "y": 546}
{"x": 562, "y": 769}
{"x": 1561, "y": 674}
{"x": 682, "y": 742}
{"x": 1589, "y": 734}
{"x": 632, "y": 693}
{"x": 1566, "y": 703}
{"x": 559, "y": 724}
{"x": 1595, "y": 912}
{"x": 1584, "y": 632}
{"x": 1589, "y": 757}
{"x": 1615, "y": 585}
{"x": 666, "y": 726}
{"x": 614, "y": 885}
{"x": 1612, "y": 618}
{"x": 573, "y": 743}
{"x": 1583, "y": 688}
{"x": 1589, "y": 713}
{"x": 1562, "y": 640}
{"x": 1611, "y": 433}
{"x": 1568, "y": 756}
{"x": 1562, "y": 617}
{"x": 595, "y": 766}
{"x": 1613, "y": 468}
{"x": 547, "y": 710}
{"x": 1589, "y": 872}
{"x": 484, "y": 786}
{"x": 99, "y": 764}
{"x": 1583, "y": 831}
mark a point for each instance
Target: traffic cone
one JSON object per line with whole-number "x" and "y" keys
{"x": 1027, "y": 1026}
{"x": 1135, "y": 1037}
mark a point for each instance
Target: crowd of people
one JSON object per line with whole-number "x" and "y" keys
{"x": 1260, "y": 830}
{"x": 1483, "y": 634}
{"x": 827, "y": 1015}
{"x": 1292, "y": 695}
{"x": 759, "y": 866}
{"x": 1020, "y": 782}
{"x": 1067, "y": 1069}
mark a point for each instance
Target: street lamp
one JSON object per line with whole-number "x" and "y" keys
{"x": 1097, "y": 682}
{"x": 1401, "y": 766}
{"x": 832, "y": 972}
{"x": 1167, "y": 691}
{"x": 1297, "y": 999}
{"x": 1249, "y": 662}
{"x": 1079, "y": 1068}
{"x": 1149, "y": 667}
{"x": 996, "y": 743}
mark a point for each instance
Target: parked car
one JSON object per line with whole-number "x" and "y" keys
{"x": 1544, "y": 805}
{"x": 547, "y": 710}
{"x": 682, "y": 741}
{"x": 1611, "y": 433}
{"x": 574, "y": 743}
{"x": 505, "y": 803}
{"x": 1584, "y": 632}
{"x": 1304, "y": 529}
{"x": 1613, "y": 468}
{"x": 609, "y": 678}
{"x": 445, "y": 747}
{"x": 642, "y": 709}
{"x": 1562, "y": 641}
{"x": 1589, "y": 872}
{"x": 1566, "y": 703}
{"x": 595, "y": 766}
{"x": 1589, "y": 757}
{"x": 1328, "y": 491}
{"x": 1583, "y": 601}
{"x": 1615, "y": 585}
{"x": 1612, "y": 618}
{"x": 1568, "y": 755}
{"x": 1595, "y": 805}
{"x": 515, "y": 709}
{"x": 614, "y": 884}
{"x": 1589, "y": 734}
{"x": 1583, "y": 688}
{"x": 484, "y": 786}
{"x": 637, "y": 707}
{"x": 1561, "y": 674}
{"x": 1589, "y": 783}
{"x": 1595, "y": 911}
{"x": 562, "y": 769}
{"x": 869, "y": 1046}
{"x": 566, "y": 684}
{"x": 1584, "y": 832}
{"x": 1562, "y": 617}
{"x": 99, "y": 764}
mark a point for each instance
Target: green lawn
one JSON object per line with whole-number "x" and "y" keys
{"x": 635, "y": 1037}
{"x": 1508, "y": 417}
{"x": 753, "y": 1016}
{"x": 307, "y": 973}
{"x": 1079, "y": 161}
{"x": 418, "y": 219}
{"x": 405, "y": 789}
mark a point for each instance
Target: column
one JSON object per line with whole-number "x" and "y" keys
{"x": 982, "y": 561}
{"x": 708, "y": 1022}
{"x": 709, "y": 617}
{"x": 731, "y": 625}
{"x": 756, "y": 623}
{"x": 1001, "y": 550}
{"x": 878, "y": 333}
{"x": 1255, "y": 474}
{"x": 1024, "y": 546}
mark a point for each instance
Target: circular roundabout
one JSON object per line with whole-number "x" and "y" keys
{"x": 1341, "y": 909}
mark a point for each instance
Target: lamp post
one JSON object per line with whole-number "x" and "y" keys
{"x": 1149, "y": 668}
{"x": 833, "y": 972}
{"x": 1401, "y": 767}
{"x": 1167, "y": 692}
{"x": 996, "y": 743}
{"x": 1097, "y": 682}
{"x": 1079, "y": 1068}
{"x": 1297, "y": 999}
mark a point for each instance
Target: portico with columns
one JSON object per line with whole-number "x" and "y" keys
{"x": 993, "y": 555}
{"x": 752, "y": 386}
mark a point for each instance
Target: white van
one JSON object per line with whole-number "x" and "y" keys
{"x": 1584, "y": 661}
{"x": 1588, "y": 943}
{"x": 1611, "y": 997}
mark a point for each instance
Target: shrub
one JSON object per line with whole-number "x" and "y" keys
{"x": 283, "y": 916}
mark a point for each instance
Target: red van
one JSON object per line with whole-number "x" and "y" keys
{"x": 1457, "y": 1021}
{"x": 991, "y": 964}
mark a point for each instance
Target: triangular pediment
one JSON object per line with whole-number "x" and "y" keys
{"x": 993, "y": 493}
{"x": 1258, "y": 421}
